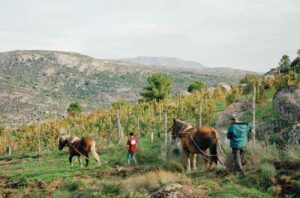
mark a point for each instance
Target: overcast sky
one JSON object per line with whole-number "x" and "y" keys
{"x": 245, "y": 34}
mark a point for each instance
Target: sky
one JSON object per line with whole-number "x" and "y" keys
{"x": 251, "y": 35}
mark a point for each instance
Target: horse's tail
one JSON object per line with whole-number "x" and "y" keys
{"x": 94, "y": 152}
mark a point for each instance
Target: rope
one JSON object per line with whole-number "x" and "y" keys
{"x": 114, "y": 160}
{"x": 78, "y": 151}
{"x": 205, "y": 155}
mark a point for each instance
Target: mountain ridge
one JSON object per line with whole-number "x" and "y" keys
{"x": 42, "y": 83}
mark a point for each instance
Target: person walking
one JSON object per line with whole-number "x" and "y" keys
{"x": 132, "y": 146}
{"x": 238, "y": 133}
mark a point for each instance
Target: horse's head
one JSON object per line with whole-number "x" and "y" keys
{"x": 62, "y": 141}
{"x": 177, "y": 125}
{"x": 179, "y": 128}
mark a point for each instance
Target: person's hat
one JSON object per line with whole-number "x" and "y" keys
{"x": 233, "y": 117}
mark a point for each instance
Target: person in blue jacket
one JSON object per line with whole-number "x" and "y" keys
{"x": 238, "y": 133}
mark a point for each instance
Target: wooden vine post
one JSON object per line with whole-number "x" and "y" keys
{"x": 110, "y": 130}
{"x": 166, "y": 134}
{"x": 120, "y": 130}
{"x": 254, "y": 111}
{"x": 6, "y": 139}
{"x": 200, "y": 115}
{"x": 166, "y": 127}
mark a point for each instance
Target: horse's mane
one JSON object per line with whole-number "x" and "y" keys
{"x": 70, "y": 138}
{"x": 183, "y": 123}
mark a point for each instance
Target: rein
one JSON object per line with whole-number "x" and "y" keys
{"x": 197, "y": 147}
{"x": 70, "y": 145}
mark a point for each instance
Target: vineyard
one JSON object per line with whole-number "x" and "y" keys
{"x": 32, "y": 165}
{"x": 142, "y": 118}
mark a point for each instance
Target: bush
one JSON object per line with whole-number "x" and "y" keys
{"x": 73, "y": 186}
{"x": 74, "y": 109}
{"x": 267, "y": 171}
{"x": 61, "y": 194}
{"x": 232, "y": 98}
{"x": 197, "y": 86}
{"x": 291, "y": 153}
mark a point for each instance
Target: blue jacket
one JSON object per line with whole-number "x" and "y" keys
{"x": 238, "y": 134}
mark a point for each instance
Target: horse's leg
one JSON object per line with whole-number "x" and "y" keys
{"x": 187, "y": 158}
{"x": 70, "y": 160}
{"x": 86, "y": 160}
{"x": 194, "y": 156}
{"x": 214, "y": 156}
{"x": 80, "y": 164}
{"x": 206, "y": 159}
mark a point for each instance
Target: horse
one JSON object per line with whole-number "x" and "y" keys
{"x": 196, "y": 141}
{"x": 79, "y": 146}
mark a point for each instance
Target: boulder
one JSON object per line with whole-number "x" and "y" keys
{"x": 225, "y": 88}
{"x": 286, "y": 103}
{"x": 268, "y": 80}
{"x": 184, "y": 93}
{"x": 179, "y": 191}
{"x": 211, "y": 90}
{"x": 238, "y": 108}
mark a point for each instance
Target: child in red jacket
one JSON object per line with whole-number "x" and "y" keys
{"x": 131, "y": 143}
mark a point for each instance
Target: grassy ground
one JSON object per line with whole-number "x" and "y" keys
{"x": 49, "y": 175}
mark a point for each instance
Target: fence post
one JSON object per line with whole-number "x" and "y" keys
{"x": 9, "y": 146}
{"x": 120, "y": 130}
{"x": 166, "y": 127}
{"x": 110, "y": 130}
{"x": 200, "y": 115}
{"x": 151, "y": 137}
{"x": 253, "y": 110}
{"x": 138, "y": 123}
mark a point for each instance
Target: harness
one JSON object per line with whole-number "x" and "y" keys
{"x": 69, "y": 144}
{"x": 205, "y": 155}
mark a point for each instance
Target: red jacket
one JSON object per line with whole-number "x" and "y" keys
{"x": 132, "y": 141}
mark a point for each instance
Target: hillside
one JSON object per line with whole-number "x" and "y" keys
{"x": 164, "y": 61}
{"x": 38, "y": 84}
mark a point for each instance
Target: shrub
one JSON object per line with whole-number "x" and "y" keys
{"x": 73, "y": 186}
{"x": 74, "y": 108}
{"x": 267, "y": 171}
{"x": 291, "y": 153}
{"x": 197, "y": 86}
{"x": 61, "y": 194}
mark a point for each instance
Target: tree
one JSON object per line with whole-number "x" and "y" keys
{"x": 197, "y": 86}
{"x": 160, "y": 87}
{"x": 248, "y": 78}
{"x": 295, "y": 65}
{"x": 74, "y": 108}
{"x": 232, "y": 97}
{"x": 285, "y": 63}
{"x": 218, "y": 93}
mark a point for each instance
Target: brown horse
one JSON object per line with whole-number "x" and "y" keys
{"x": 196, "y": 141}
{"x": 79, "y": 146}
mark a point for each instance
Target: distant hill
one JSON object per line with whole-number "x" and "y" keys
{"x": 35, "y": 84}
{"x": 164, "y": 61}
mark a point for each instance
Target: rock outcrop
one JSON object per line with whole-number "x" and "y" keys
{"x": 286, "y": 103}
{"x": 237, "y": 108}
{"x": 225, "y": 87}
{"x": 179, "y": 191}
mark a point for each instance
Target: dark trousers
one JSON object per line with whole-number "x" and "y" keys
{"x": 238, "y": 157}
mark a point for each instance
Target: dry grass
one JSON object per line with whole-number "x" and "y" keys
{"x": 256, "y": 154}
{"x": 152, "y": 181}
{"x": 291, "y": 153}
